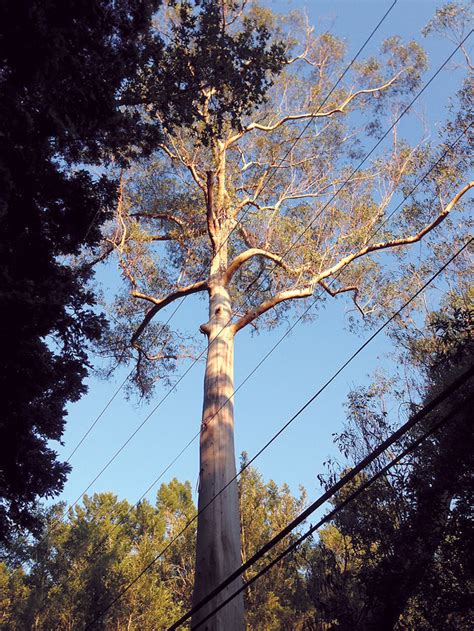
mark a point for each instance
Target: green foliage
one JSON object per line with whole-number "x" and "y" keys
{"x": 277, "y": 600}
{"x": 80, "y": 566}
{"x": 219, "y": 72}
{"x": 408, "y": 539}
{"x": 61, "y": 67}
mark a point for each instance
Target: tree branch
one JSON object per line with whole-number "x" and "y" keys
{"x": 189, "y": 165}
{"x": 160, "y": 237}
{"x": 106, "y": 251}
{"x": 335, "y": 292}
{"x": 210, "y": 215}
{"x": 384, "y": 245}
{"x": 309, "y": 115}
{"x": 161, "y": 303}
{"x": 253, "y": 252}
{"x": 168, "y": 152}
{"x": 166, "y": 216}
{"x": 305, "y": 292}
{"x": 265, "y": 306}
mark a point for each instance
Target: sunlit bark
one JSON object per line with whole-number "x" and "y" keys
{"x": 218, "y": 551}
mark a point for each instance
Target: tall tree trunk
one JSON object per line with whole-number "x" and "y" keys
{"x": 218, "y": 550}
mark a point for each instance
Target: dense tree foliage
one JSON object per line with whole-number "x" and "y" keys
{"x": 83, "y": 86}
{"x": 277, "y": 600}
{"x": 67, "y": 579}
{"x": 61, "y": 67}
{"x": 400, "y": 556}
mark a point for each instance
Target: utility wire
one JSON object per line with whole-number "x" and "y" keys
{"x": 297, "y": 321}
{"x": 365, "y": 485}
{"x": 300, "y": 318}
{"x": 282, "y": 429}
{"x": 104, "y": 409}
{"x": 270, "y": 176}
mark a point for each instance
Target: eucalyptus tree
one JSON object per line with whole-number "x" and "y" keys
{"x": 257, "y": 208}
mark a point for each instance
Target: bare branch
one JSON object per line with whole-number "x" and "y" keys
{"x": 237, "y": 14}
{"x": 174, "y": 154}
{"x": 161, "y": 237}
{"x": 210, "y": 215}
{"x": 161, "y": 303}
{"x": 168, "y": 152}
{"x": 290, "y": 294}
{"x": 106, "y": 251}
{"x": 243, "y": 257}
{"x": 311, "y": 115}
{"x": 119, "y": 245}
{"x": 341, "y": 290}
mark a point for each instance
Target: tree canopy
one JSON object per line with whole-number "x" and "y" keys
{"x": 279, "y": 194}
{"x": 103, "y": 544}
{"x": 61, "y": 67}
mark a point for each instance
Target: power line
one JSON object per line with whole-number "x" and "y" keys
{"x": 299, "y": 319}
{"x": 363, "y": 486}
{"x": 283, "y": 428}
{"x": 94, "y": 423}
{"x": 267, "y": 355}
{"x": 104, "y": 409}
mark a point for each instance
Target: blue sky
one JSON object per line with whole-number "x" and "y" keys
{"x": 298, "y": 367}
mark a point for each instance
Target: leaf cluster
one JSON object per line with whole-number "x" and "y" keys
{"x": 218, "y": 72}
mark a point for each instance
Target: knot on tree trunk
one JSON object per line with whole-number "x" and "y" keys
{"x": 205, "y": 328}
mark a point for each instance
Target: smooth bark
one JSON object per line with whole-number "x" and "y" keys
{"x": 218, "y": 551}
